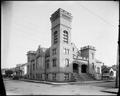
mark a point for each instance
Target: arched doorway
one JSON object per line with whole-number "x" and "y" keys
{"x": 75, "y": 68}
{"x": 84, "y": 68}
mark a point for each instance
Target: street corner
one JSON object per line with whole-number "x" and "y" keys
{"x": 111, "y": 90}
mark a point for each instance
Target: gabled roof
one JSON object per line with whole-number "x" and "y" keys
{"x": 108, "y": 69}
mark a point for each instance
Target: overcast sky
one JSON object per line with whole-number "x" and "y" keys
{"x": 26, "y": 24}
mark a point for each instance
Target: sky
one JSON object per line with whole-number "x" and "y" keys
{"x": 26, "y": 25}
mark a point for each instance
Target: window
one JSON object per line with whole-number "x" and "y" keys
{"x": 54, "y": 62}
{"x": 47, "y": 76}
{"x": 55, "y": 37}
{"x": 93, "y": 65}
{"x": 67, "y": 62}
{"x": 65, "y": 36}
{"x": 92, "y": 56}
{"x": 47, "y": 65}
{"x": 111, "y": 73}
{"x": 66, "y": 76}
{"x": 33, "y": 66}
{"x": 54, "y": 51}
{"x": 66, "y": 51}
{"x": 54, "y": 76}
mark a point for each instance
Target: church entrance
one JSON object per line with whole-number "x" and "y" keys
{"x": 75, "y": 68}
{"x": 84, "y": 68}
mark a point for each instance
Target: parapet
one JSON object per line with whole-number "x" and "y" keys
{"x": 60, "y": 12}
{"x": 31, "y": 52}
{"x": 88, "y": 47}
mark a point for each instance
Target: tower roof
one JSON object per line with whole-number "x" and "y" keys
{"x": 59, "y": 13}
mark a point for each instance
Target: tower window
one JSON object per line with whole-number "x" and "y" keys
{"x": 55, "y": 37}
{"x": 54, "y": 62}
{"x": 66, "y": 51}
{"x": 65, "y": 36}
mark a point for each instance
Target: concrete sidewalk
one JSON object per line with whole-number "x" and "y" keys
{"x": 63, "y": 83}
{"x": 44, "y": 82}
{"x": 111, "y": 90}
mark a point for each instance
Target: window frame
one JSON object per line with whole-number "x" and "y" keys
{"x": 55, "y": 37}
{"x": 54, "y": 61}
{"x": 65, "y": 36}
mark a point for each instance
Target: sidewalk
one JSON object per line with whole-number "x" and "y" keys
{"x": 111, "y": 90}
{"x": 44, "y": 82}
{"x": 63, "y": 83}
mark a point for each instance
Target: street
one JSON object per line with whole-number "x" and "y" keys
{"x": 16, "y": 87}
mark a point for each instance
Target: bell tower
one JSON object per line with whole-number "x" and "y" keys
{"x": 61, "y": 27}
{"x": 60, "y": 37}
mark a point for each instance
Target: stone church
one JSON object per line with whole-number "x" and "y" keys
{"x": 63, "y": 61}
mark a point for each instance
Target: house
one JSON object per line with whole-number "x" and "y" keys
{"x": 21, "y": 70}
{"x": 109, "y": 73}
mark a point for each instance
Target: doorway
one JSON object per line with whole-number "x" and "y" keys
{"x": 84, "y": 68}
{"x": 75, "y": 68}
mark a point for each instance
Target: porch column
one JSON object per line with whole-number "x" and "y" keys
{"x": 79, "y": 68}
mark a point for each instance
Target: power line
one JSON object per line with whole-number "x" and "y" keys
{"x": 101, "y": 18}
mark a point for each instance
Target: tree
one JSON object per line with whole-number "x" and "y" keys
{"x": 8, "y": 72}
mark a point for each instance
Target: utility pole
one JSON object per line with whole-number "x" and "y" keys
{"x": 117, "y": 64}
{"x": 117, "y": 71}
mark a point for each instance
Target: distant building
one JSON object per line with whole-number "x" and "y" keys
{"x": 3, "y": 71}
{"x": 21, "y": 70}
{"x": 109, "y": 73}
{"x": 63, "y": 61}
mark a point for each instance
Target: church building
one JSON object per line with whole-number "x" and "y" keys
{"x": 63, "y": 61}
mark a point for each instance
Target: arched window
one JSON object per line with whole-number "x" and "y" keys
{"x": 65, "y": 36}
{"x": 111, "y": 73}
{"x": 55, "y": 37}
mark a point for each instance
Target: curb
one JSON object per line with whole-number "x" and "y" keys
{"x": 45, "y": 82}
{"x": 60, "y": 83}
